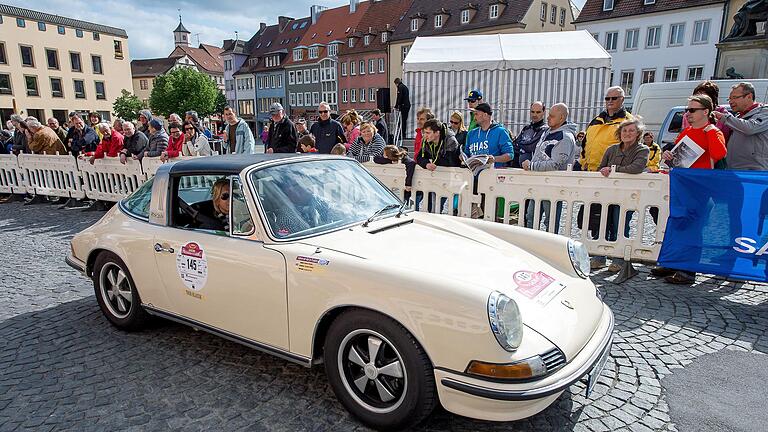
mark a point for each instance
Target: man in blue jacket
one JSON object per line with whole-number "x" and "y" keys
{"x": 489, "y": 138}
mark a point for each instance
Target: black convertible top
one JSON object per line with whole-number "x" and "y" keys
{"x": 229, "y": 164}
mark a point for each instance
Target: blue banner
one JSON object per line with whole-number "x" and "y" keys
{"x": 717, "y": 223}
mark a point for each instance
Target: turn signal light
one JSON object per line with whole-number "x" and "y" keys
{"x": 520, "y": 370}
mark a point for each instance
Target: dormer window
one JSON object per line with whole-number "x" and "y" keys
{"x": 414, "y": 24}
{"x": 333, "y": 49}
{"x": 298, "y": 55}
{"x": 493, "y": 11}
{"x": 253, "y": 61}
{"x": 351, "y": 42}
{"x": 313, "y": 51}
{"x": 384, "y": 37}
{"x": 367, "y": 40}
{"x": 649, "y": 2}
{"x": 438, "y": 21}
{"x": 465, "y": 16}
{"x": 608, "y": 5}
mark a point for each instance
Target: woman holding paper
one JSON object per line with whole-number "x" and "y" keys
{"x": 700, "y": 139}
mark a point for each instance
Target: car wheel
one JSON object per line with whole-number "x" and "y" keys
{"x": 378, "y": 370}
{"x": 116, "y": 293}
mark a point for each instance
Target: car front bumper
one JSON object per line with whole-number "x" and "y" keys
{"x": 487, "y": 400}
{"x": 75, "y": 263}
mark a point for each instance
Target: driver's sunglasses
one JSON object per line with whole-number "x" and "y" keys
{"x": 323, "y": 112}
{"x": 224, "y": 196}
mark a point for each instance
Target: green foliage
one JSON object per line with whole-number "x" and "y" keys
{"x": 221, "y": 102}
{"x": 184, "y": 89}
{"x": 127, "y": 106}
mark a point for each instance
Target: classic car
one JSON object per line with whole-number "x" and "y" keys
{"x": 312, "y": 259}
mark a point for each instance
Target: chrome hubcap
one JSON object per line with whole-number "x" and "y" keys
{"x": 372, "y": 370}
{"x": 116, "y": 291}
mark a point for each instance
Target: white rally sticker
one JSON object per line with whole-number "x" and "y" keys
{"x": 192, "y": 266}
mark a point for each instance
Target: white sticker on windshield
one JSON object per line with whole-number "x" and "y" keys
{"x": 192, "y": 266}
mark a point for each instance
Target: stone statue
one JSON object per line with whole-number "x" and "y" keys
{"x": 746, "y": 19}
{"x": 732, "y": 74}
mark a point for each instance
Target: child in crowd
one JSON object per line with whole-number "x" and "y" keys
{"x": 339, "y": 149}
{"x": 393, "y": 155}
{"x": 307, "y": 144}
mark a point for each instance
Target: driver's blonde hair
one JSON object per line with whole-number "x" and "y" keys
{"x": 217, "y": 189}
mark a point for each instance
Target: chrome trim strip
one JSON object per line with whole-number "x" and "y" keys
{"x": 537, "y": 392}
{"x": 75, "y": 263}
{"x": 277, "y": 352}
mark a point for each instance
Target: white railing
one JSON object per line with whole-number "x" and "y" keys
{"x": 640, "y": 202}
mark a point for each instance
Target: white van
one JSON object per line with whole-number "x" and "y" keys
{"x": 653, "y": 101}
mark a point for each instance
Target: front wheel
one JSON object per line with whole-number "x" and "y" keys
{"x": 378, "y": 370}
{"x": 116, "y": 293}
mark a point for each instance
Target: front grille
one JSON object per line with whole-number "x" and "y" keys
{"x": 553, "y": 359}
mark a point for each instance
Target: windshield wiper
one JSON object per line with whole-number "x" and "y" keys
{"x": 402, "y": 208}
{"x": 380, "y": 211}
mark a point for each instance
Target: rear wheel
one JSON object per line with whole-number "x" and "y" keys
{"x": 378, "y": 370}
{"x": 116, "y": 293}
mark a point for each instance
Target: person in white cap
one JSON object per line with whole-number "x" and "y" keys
{"x": 239, "y": 138}
{"x": 283, "y": 137}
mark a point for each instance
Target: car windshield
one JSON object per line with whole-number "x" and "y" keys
{"x": 312, "y": 197}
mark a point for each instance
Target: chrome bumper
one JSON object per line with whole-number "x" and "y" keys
{"x": 538, "y": 392}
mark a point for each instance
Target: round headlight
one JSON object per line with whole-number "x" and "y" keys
{"x": 505, "y": 319}
{"x": 579, "y": 258}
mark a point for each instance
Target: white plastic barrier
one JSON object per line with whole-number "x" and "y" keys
{"x": 11, "y": 177}
{"x": 445, "y": 190}
{"x": 109, "y": 180}
{"x": 52, "y": 175}
{"x": 150, "y": 164}
{"x": 637, "y": 198}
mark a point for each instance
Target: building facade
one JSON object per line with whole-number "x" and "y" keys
{"x": 459, "y": 17}
{"x": 655, "y": 40}
{"x": 51, "y": 65}
{"x": 233, "y": 57}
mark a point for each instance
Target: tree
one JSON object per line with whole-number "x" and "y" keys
{"x": 127, "y": 106}
{"x": 181, "y": 90}
{"x": 221, "y": 102}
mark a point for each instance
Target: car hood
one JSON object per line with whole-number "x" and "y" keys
{"x": 444, "y": 247}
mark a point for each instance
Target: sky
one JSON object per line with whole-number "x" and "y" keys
{"x": 150, "y": 24}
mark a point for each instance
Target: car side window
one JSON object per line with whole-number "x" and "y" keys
{"x": 242, "y": 223}
{"x": 676, "y": 124}
{"x": 201, "y": 202}
{"x": 138, "y": 203}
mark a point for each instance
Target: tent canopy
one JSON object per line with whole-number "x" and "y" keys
{"x": 549, "y": 50}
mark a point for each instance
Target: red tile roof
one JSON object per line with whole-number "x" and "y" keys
{"x": 381, "y": 16}
{"x": 593, "y": 9}
{"x": 207, "y": 57}
{"x": 275, "y": 42}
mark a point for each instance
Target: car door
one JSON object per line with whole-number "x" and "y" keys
{"x": 224, "y": 279}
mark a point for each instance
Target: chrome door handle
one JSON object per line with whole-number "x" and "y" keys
{"x": 160, "y": 248}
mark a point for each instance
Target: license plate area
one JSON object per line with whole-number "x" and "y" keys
{"x": 594, "y": 374}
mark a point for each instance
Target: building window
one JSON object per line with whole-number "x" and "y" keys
{"x": 353, "y": 95}
{"x": 27, "y": 58}
{"x": 279, "y": 81}
{"x": 118, "y": 50}
{"x": 291, "y": 77}
{"x": 701, "y": 32}
{"x": 562, "y": 17}
{"x": 381, "y": 66}
{"x": 97, "y": 68}
{"x": 654, "y": 37}
{"x": 362, "y": 67}
{"x": 649, "y": 76}
{"x": 384, "y": 37}
{"x": 493, "y": 11}
{"x": 297, "y": 55}
{"x": 143, "y": 84}
{"x": 367, "y": 40}
{"x": 371, "y": 66}
{"x": 596, "y": 36}
{"x": 553, "y": 14}
{"x": 300, "y": 99}
{"x": 41, "y": 26}
{"x": 695, "y": 73}
{"x": 414, "y": 26}
{"x": 100, "y": 92}
{"x": 543, "y": 12}
{"x": 307, "y": 76}
{"x": 608, "y": 5}
{"x": 333, "y": 50}
{"x": 291, "y": 99}
{"x": 670, "y": 74}
{"x": 52, "y": 57}
{"x": 5, "y": 84}
{"x": 343, "y": 68}
{"x": 61, "y": 29}
{"x": 313, "y": 51}
{"x": 465, "y": 16}
{"x": 611, "y": 41}
{"x": 676, "y": 34}
{"x": 344, "y": 95}
{"x": 20, "y": 22}
{"x": 96, "y": 36}
{"x": 362, "y": 95}
{"x": 227, "y": 65}
{"x": 79, "y": 86}
{"x": 31, "y": 83}
{"x": 438, "y": 22}
{"x": 372, "y": 94}
{"x": 649, "y": 2}
{"x": 3, "y": 57}
{"x": 631, "y": 39}
{"x": 316, "y": 98}
{"x": 78, "y": 33}
{"x": 307, "y": 98}
{"x": 74, "y": 60}
{"x": 404, "y": 53}
{"x": 315, "y": 75}
{"x": 352, "y": 70}
{"x": 57, "y": 89}
{"x": 627, "y": 81}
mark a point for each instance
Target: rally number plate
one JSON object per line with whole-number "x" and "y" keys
{"x": 594, "y": 374}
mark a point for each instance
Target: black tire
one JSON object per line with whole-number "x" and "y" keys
{"x": 120, "y": 303}
{"x": 414, "y": 394}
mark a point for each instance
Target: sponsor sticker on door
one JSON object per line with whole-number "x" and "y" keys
{"x": 192, "y": 266}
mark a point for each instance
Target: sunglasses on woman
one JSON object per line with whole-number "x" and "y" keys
{"x": 454, "y": 122}
{"x": 224, "y": 196}
{"x": 693, "y": 110}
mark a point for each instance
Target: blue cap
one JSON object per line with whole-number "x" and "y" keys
{"x": 474, "y": 95}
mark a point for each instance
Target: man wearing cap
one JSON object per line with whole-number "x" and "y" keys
{"x": 488, "y": 138}
{"x": 283, "y": 137}
{"x": 474, "y": 98}
{"x": 238, "y": 136}
{"x": 301, "y": 128}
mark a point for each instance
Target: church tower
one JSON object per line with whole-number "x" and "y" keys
{"x": 181, "y": 35}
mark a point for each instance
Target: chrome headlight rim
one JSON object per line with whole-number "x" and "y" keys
{"x": 579, "y": 256}
{"x": 497, "y": 324}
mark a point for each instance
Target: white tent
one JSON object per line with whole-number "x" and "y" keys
{"x": 512, "y": 70}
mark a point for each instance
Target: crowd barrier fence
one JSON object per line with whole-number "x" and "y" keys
{"x": 640, "y": 202}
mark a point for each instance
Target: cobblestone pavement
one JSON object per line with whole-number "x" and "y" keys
{"x": 63, "y": 367}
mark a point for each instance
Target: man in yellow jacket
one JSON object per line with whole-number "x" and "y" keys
{"x": 601, "y": 134}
